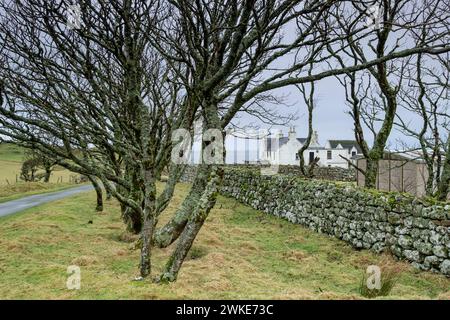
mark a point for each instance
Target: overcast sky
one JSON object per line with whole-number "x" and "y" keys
{"x": 330, "y": 117}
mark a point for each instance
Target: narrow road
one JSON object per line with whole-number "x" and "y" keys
{"x": 14, "y": 206}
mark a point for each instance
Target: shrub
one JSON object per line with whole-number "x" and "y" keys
{"x": 197, "y": 253}
{"x": 387, "y": 281}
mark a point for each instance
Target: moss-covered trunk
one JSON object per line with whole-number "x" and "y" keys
{"x": 148, "y": 223}
{"x": 98, "y": 191}
{"x": 132, "y": 218}
{"x": 371, "y": 172}
{"x": 146, "y": 236}
{"x": 377, "y": 151}
{"x": 196, "y": 220}
{"x": 444, "y": 183}
{"x": 48, "y": 173}
{"x": 172, "y": 229}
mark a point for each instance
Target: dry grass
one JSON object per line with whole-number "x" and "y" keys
{"x": 19, "y": 190}
{"x": 10, "y": 171}
{"x": 239, "y": 254}
{"x": 11, "y": 158}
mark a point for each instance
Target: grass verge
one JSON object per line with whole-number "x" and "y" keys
{"x": 20, "y": 190}
{"x": 240, "y": 253}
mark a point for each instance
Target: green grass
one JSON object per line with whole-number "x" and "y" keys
{"x": 11, "y": 158}
{"x": 11, "y": 152}
{"x": 23, "y": 189}
{"x": 240, "y": 253}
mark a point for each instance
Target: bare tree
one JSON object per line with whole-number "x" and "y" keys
{"x": 101, "y": 92}
{"x": 442, "y": 79}
{"x": 428, "y": 102}
{"x": 230, "y": 48}
{"x": 308, "y": 95}
{"x": 113, "y": 91}
{"x": 397, "y": 21}
{"x": 444, "y": 185}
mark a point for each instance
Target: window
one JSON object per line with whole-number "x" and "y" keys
{"x": 353, "y": 153}
{"x": 329, "y": 154}
{"x": 297, "y": 156}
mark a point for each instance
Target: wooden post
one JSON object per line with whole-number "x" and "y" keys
{"x": 390, "y": 174}
{"x": 378, "y": 175}
{"x": 357, "y": 172}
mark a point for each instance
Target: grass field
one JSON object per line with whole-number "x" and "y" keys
{"x": 239, "y": 254}
{"x": 11, "y": 158}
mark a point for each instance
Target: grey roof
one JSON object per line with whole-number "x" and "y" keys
{"x": 405, "y": 155}
{"x": 346, "y": 144}
{"x": 316, "y": 148}
{"x": 283, "y": 140}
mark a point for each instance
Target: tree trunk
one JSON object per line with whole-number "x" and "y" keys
{"x": 149, "y": 224}
{"x": 108, "y": 192}
{"x": 377, "y": 152}
{"x": 193, "y": 226}
{"x": 172, "y": 230}
{"x": 309, "y": 101}
{"x": 429, "y": 187}
{"x": 444, "y": 184}
{"x": 371, "y": 172}
{"x": 98, "y": 190}
{"x": 48, "y": 172}
{"x": 146, "y": 236}
{"x": 132, "y": 218}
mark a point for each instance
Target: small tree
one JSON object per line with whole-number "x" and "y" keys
{"x": 35, "y": 161}
{"x": 29, "y": 170}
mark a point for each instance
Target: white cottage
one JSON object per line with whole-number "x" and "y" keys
{"x": 283, "y": 150}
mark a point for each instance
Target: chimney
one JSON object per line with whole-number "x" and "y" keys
{"x": 292, "y": 135}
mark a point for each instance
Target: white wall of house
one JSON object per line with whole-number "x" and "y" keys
{"x": 331, "y": 158}
{"x": 287, "y": 156}
{"x": 240, "y": 150}
{"x": 328, "y": 156}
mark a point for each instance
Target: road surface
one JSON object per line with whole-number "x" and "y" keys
{"x": 14, "y": 206}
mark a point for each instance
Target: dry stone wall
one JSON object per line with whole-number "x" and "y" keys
{"x": 322, "y": 173}
{"x": 411, "y": 229}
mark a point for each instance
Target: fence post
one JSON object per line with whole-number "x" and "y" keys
{"x": 390, "y": 174}
{"x": 378, "y": 175}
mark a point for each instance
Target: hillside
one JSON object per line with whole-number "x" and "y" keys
{"x": 11, "y": 157}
